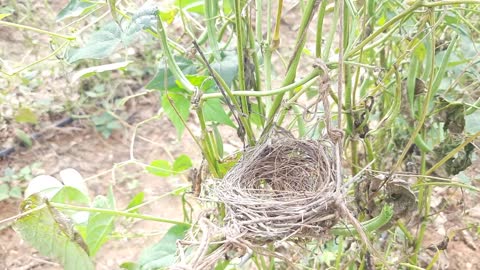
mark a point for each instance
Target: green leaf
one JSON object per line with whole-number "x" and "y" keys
{"x": 98, "y": 69}
{"x": 101, "y": 44}
{"x": 136, "y": 200}
{"x": 196, "y": 6}
{"x": 69, "y": 194}
{"x": 53, "y": 235}
{"x": 23, "y": 137}
{"x": 227, "y": 67}
{"x": 107, "y": 39}
{"x": 158, "y": 82}
{"x": 3, "y": 15}
{"x": 160, "y": 168}
{"x": 162, "y": 254}
{"x": 129, "y": 266}
{"x": 15, "y": 192}
{"x": 182, "y": 163}
{"x": 214, "y": 111}
{"x": 182, "y": 105}
{"x": 100, "y": 225}
{"x": 25, "y": 115}
{"x": 420, "y": 50}
{"x": 472, "y": 123}
{"x": 4, "y": 192}
{"x": 76, "y": 8}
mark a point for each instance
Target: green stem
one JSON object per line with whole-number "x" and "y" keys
{"x": 314, "y": 74}
{"x": 318, "y": 41}
{"x": 172, "y": 64}
{"x": 369, "y": 226}
{"x": 116, "y": 213}
{"x": 293, "y": 65}
{"x": 52, "y": 34}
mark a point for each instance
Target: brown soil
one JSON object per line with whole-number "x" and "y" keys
{"x": 83, "y": 149}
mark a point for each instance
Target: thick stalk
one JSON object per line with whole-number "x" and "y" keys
{"x": 293, "y": 65}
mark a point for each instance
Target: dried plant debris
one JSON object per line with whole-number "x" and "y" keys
{"x": 283, "y": 188}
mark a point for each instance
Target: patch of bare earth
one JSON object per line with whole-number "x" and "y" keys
{"x": 82, "y": 148}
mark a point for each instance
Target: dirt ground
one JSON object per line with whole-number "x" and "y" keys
{"x": 82, "y": 148}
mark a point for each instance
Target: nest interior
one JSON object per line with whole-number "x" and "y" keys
{"x": 282, "y": 188}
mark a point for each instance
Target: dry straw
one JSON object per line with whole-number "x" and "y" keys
{"x": 281, "y": 189}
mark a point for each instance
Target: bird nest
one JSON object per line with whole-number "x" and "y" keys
{"x": 282, "y": 188}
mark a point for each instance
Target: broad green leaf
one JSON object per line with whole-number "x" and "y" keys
{"x": 227, "y": 67}
{"x": 4, "y": 192}
{"x": 129, "y": 266}
{"x": 101, "y": 44}
{"x": 162, "y": 254}
{"x": 23, "y": 137}
{"x": 158, "y": 82}
{"x": 25, "y": 115}
{"x": 69, "y": 195}
{"x": 53, "y": 235}
{"x": 203, "y": 82}
{"x": 15, "y": 192}
{"x": 214, "y": 111}
{"x": 160, "y": 168}
{"x": 136, "y": 200}
{"x": 100, "y": 225}
{"x": 109, "y": 37}
{"x": 182, "y": 163}
{"x": 76, "y": 8}
{"x": 98, "y": 69}
{"x": 182, "y": 108}
{"x": 71, "y": 177}
{"x": 472, "y": 122}
{"x": 196, "y": 6}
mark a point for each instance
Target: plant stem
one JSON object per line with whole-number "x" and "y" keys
{"x": 293, "y": 64}
{"x": 41, "y": 31}
{"x": 311, "y": 76}
{"x": 172, "y": 64}
{"x": 116, "y": 213}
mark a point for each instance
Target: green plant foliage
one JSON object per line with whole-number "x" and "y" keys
{"x": 53, "y": 235}
{"x": 227, "y": 67}
{"x": 69, "y": 194}
{"x": 164, "y": 168}
{"x": 12, "y": 181}
{"x": 100, "y": 225}
{"x": 135, "y": 201}
{"x": 214, "y": 111}
{"x": 162, "y": 254}
{"x": 158, "y": 82}
{"x": 76, "y": 8}
{"x": 101, "y": 44}
{"x": 472, "y": 123}
{"x": 160, "y": 168}
{"x": 106, "y": 123}
{"x": 176, "y": 106}
{"x": 26, "y": 115}
{"x": 23, "y": 137}
{"x": 182, "y": 163}
{"x": 191, "y": 6}
{"x": 110, "y": 36}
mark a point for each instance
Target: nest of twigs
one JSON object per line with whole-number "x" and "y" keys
{"x": 282, "y": 188}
